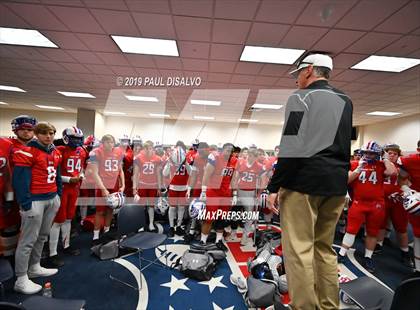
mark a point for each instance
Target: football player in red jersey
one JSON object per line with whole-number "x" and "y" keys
{"x": 37, "y": 185}
{"x": 127, "y": 164}
{"x": 394, "y": 210}
{"x": 6, "y": 191}
{"x": 216, "y": 190}
{"x": 366, "y": 178}
{"x": 106, "y": 167}
{"x": 410, "y": 172}
{"x": 73, "y": 158}
{"x": 178, "y": 170}
{"x": 246, "y": 180}
{"x": 147, "y": 180}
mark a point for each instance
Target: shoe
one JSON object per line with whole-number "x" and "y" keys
{"x": 407, "y": 259}
{"x": 341, "y": 259}
{"x": 369, "y": 265}
{"x": 221, "y": 246}
{"x": 378, "y": 249}
{"x": 239, "y": 283}
{"x": 26, "y": 286}
{"x": 179, "y": 231}
{"x": 54, "y": 261}
{"x": 188, "y": 238}
{"x": 38, "y": 271}
{"x": 72, "y": 251}
{"x": 171, "y": 232}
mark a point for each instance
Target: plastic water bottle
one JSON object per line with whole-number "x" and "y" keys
{"x": 47, "y": 291}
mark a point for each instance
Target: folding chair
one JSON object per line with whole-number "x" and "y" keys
{"x": 131, "y": 219}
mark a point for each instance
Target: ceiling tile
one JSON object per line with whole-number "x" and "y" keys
{"x": 113, "y": 59}
{"x": 230, "y": 9}
{"x": 64, "y": 2}
{"x": 39, "y": 16}
{"x": 222, "y": 66}
{"x": 266, "y": 34}
{"x": 285, "y": 11}
{"x": 99, "y": 69}
{"x": 302, "y": 37}
{"x": 329, "y": 42}
{"x": 65, "y": 40}
{"x": 219, "y": 77}
{"x": 403, "y": 47}
{"x": 286, "y": 83}
{"x": 122, "y": 70}
{"x": 195, "y": 64}
{"x": 243, "y": 79}
{"x": 77, "y": 19}
{"x": 225, "y": 51}
{"x": 405, "y": 20}
{"x": 98, "y": 42}
{"x": 372, "y": 42}
{"x": 106, "y": 4}
{"x": 367, "y": 14}
{"x": 163, "y": 62}
{"x": 57, "y": 55}
{"x": 116, "y": 22}
{"x": 147, "y": 72}
{"x": 237, "y": 33}
{"x": 324, "y": 13}
{"x": 27, "y": 52}
{"x": 149, "y": 6}
{"x": 191, "y": 49}
{"x": 85, "y": 57}
{"x": 248, "y": 67}
{"x": 265, "y": 80}
{"x": 350, "y": 75}
{"x": 157, "y": 26}
{"x": 192, "y": 28}
{"x": 274, "y": 70}
{"x": 136, "y": 60}
{"x": 10, "y": 19}
{"x": 76, "y": 68}
{"x": 51, "y": 66}
{"x": 345, "y": 61}
{"x": 202, "y": 8}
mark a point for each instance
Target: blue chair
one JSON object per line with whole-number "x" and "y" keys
{"x": 131, "y": 220}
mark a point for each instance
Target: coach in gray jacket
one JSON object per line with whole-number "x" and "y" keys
{"x": 310, "y": 183}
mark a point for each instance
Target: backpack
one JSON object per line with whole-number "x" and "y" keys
{"x": 108, "y": 247}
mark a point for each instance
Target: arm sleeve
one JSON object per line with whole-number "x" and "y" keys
{"x": 59, "y": 182}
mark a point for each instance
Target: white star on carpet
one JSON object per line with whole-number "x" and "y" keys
{"x": 176, "y": 284}
{"x": 213, "y": 283}
{"x": 177, "y": 238}
{"x": 216, "y": 307}
{"x": 171, "y": 308}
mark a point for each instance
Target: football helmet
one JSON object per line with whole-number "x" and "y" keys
{"x": 115, "y": 200}
{"x": 73, "y": 136}
{"x": 23, "y": 122}
{"x": 262, "y": 272}
{"x": 262, "y": 200}
{"x": 162, "y": 206}
{"x": 195, "y": 143}
{"x": 196, "y": 207}
{"x": 178, "y": 156}
{"x": 411, "y": 202}
{"x": 371, "y": 147}
{"x": 137, "y": 140}
{"x": 124, "y": 140}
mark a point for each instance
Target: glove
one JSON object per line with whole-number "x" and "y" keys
{"x": 136, "y": 198}
{"x": 234, "y": 198}
{"x": 362, "y": 164}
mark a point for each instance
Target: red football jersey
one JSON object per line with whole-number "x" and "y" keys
{"x": 411, "y": 164}
{"x": 44, "y": 168}
{"x": 149, "y": 168}
{"x": 191, "y": 154}
{"x": 73, "y": 160}
{"x": 369, "y": 185}
{"x": 5, "y": 154}
{"x": 109, "y": 164}
{"x": 270, "y": 163}
{"x": 198, "y": 165}
{"x": 391, "y": 185}
{"x": 16, "y": 145}
{"x": 128, "y": 167}
{"x": 249, "y": 174}
{"x": 179, "y": 179}
{"x": 223, "y": 171}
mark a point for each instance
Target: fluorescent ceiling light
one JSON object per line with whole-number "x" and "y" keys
{"x": 206, "y": 102}
{"x": 386, "y": 63}
{"x": 381, "y": 113}
{"x": 159, "y": 115}
{"x": 243, "y": 120}
{"x": 49, "y": 107}
{"x": 204, "y": 117}
{"x": 12, "y": 88}
{"x": 24, "y": 37}
{"x": 146, "y": 46}
{"x": 271, "y": 54}
{"x": 141, "y": 98}
{"x": 3, "y": 103}
{"x": 114, "y": 113}
{"x": 73, "y": 94}
{"x": 266, "y": 106}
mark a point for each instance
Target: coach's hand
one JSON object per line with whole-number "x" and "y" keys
{"x": 273, "y": 203}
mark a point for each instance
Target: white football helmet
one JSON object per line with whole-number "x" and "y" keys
{"x": 178, "y": 155}
{"x": 124, "y": 139}
{"x": 115, "y": 200}
{"x": 162, "y": 206}
{"x": 262, "y": 200}
{"x": 411, "y": 202}
{"x": 196, "y": 207}
{"x": 137, "y": 140}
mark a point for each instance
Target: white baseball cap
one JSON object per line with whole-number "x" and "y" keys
{"x": 316, "y": 60}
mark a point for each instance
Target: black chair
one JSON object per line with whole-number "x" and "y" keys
{"x": 6, "y": 273}
{"x": 370, "y": 295}
{"x": 10, "y": 306}
{"x": 46, "y": 303}
{"x": 131, "y": 220}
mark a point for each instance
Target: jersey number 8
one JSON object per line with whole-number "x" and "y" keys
{"x": 52, "y": 173}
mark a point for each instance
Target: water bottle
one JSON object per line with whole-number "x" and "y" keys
{"x": 47, "y": 290}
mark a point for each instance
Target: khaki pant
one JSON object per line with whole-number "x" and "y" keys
{"x": 308, "y": 225}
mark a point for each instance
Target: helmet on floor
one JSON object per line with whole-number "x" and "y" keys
{"x": 196, "y": 207}
{"x": 162, "y": 206}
